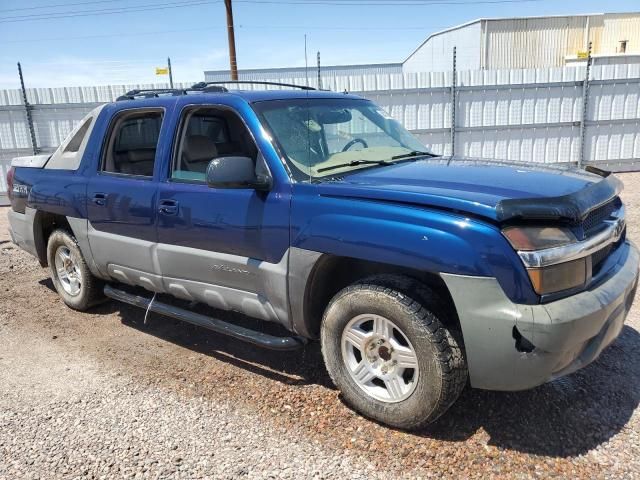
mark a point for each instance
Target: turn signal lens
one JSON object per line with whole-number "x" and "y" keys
{"x": 556, "y": 278}
{"x": 10, "y": 174}
{"x": 538, "y": 238}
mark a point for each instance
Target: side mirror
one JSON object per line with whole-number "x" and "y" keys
{"x": 235, "y": 172}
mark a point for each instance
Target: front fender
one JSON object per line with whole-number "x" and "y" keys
{"x": 416, "y": 237}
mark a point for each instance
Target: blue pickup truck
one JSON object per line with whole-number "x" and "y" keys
{"x": 316, "y": 210}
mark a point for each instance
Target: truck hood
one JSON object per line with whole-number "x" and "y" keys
{"x": 500, "y": 191}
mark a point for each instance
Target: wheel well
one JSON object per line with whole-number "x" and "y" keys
{"x": 331, "y": 274}
{"x": 43, "y": 225}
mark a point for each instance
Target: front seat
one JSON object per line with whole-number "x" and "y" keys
{"x": 198, "y": 151}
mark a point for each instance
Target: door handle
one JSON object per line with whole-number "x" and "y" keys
{"x": 100, "y": 199}
{"x": 168, "y": 207}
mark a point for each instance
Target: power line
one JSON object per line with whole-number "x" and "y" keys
{"x": 107, "y": 11}
{"x": 44, "y": 7}
{"x": 94, "y": 2}
{"x": 193, "y": 3}
{"x": 75, "y": 4}
{"x": 379, "y": 3}
{"x": 111, "y": 35}
{"x": 238, "y": 27}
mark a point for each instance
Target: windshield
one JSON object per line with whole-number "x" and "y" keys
{"x": 328, "y": 137}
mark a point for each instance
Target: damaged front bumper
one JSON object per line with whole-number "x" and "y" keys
{"x": 515, "y": 347}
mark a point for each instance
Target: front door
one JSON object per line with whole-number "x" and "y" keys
{"x": 121, "y": 199}
{"x": 224, "y": 247}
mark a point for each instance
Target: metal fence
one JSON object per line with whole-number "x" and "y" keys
{"x": 550, "y": 115}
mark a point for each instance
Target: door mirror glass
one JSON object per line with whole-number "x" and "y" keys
{"x": 235, "y": 172}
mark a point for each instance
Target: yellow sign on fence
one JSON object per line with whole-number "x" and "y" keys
{"x": 162, "y": 71}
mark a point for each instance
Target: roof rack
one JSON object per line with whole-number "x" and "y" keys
{"x": 219, "y": 84}
{"x": 150, "y": 93}
{"x": 201, "y": 87}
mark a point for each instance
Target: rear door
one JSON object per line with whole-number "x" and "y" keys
{"x": 121, "y": 198}
{"x": 224, "y": 247}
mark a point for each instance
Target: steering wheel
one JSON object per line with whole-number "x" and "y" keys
{"x": 353, "y": 142}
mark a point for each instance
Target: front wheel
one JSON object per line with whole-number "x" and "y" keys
{"x": 71, "y": 276}
{"x": 390, "y": 355}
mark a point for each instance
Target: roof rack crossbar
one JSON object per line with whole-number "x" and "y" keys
{"x": 150, "y": 93}
{"x": 204, "y": 85}
{"x": 208, "y": 89}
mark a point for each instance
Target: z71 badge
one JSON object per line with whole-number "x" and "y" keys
{"x": 21, "y": 190}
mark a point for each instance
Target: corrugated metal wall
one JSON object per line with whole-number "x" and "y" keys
{"x": 530, "y": 115}
{"x": 532, "y": 42}
{"x": 607, "y": 31}
{"x": 547, "y": 41}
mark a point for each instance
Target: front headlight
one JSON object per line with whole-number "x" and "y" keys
{"x": 538, "y": 238}
{"x": 552, "y": 278}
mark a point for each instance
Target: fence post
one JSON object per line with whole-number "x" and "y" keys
{"x": 319, "y": 77}
{"x": 585, "y": 108}
{"x": 27, "y": 108}
{"x": 453, "y": 105}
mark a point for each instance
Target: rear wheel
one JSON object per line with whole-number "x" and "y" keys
{"x": 71, "y": 276}
{"x": 390, "y": 355}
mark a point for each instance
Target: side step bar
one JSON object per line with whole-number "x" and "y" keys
{"x": 219, "y": 326}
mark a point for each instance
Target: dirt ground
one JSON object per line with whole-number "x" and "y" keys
{"x": 100, "y": 395}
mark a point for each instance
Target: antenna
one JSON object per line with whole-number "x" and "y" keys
{"x": 306, "y": 62}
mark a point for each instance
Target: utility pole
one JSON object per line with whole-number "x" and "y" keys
{"x": 232, "y": 41}
{"x": 170, "y": 72}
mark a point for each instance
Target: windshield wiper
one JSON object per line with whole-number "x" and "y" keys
{"x": 414, "y": 153}
{"x": 353, "y": 163}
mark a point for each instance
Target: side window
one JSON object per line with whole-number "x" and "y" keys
{"x": 76, "y": 141}
{"x": 131, "y": 146}
{"x": 207, "y": 133}
{"x": 69, "y": 154}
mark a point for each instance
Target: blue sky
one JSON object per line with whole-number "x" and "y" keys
{"x": 125, "y": 47}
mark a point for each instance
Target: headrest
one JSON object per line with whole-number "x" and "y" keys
{"x": 134, "y": 156}
{"x": 199, "y": 147}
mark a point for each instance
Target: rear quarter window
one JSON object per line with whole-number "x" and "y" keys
{"x": 69, "y": 154}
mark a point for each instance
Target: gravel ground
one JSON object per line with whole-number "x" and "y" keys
{"x": 100, "y": 395}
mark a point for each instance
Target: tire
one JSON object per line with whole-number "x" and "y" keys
{"x": 63, "y": 253}
{"x": 406, "y": 398}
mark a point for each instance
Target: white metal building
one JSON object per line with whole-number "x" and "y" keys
{"x": 530, "y": 42}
